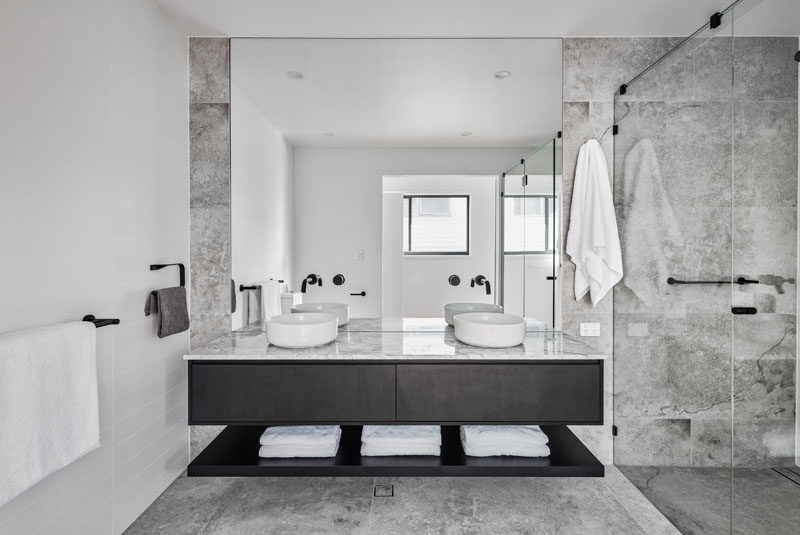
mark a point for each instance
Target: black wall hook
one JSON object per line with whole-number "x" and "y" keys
{"x": 100, "y": 322}
{"x": 154, "y": 267}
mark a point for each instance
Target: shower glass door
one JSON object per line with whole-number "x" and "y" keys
{"x": 674, "y": 193}
{"x": 766, "y": 478}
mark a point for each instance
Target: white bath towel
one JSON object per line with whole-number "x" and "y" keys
{"x": 480, "y": 435}
{"x": 301, "y": 435}
{"x": 270, "y": 299}
{"x": 399, "y": 449}
{"x": 252, "y": 310}
{"x": 389, "y": 435}
{"x": 285, "y": 451}
{"x": 531, "y": 450}
{"x": 500, "y": 440}
{"x": 49, "y": 410}
{"x": 644, "y": 198}
{"x": 593, "y": 240}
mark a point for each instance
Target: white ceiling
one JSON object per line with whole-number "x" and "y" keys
{"x": 472, "y": 18}
{"x": 404, "y": 92}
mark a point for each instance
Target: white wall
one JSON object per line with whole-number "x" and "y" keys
{"x": 93, "y": 167}
{"x": 425, "y": 289}
{"x": 338, "y": 211}
{"x": 262, "y": 198}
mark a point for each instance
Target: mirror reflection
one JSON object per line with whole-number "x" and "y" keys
{"x": 408, "y": 179}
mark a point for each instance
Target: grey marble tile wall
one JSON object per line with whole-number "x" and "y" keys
{"x": 210, "y": 199}
{"x": 721, "y": 195}
{"x": 593, "y": 69}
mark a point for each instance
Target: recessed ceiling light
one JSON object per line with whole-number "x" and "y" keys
{"x": 502, "y": 74}
{"x": 295, "y": 75}
{"x": 328, "y": 134}
{"x": 466, "y": 134}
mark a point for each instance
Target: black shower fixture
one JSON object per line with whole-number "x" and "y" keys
{"x": 797, "y": 56}
{"x": 480, "y": 280}
{"x": 338, "y": 279}
{"x": 311, "y": 279}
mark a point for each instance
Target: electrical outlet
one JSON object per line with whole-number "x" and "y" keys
{"x": 590, "y": 329}
{"x": 360, "y": 255}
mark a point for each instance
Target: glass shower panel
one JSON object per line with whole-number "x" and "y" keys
{"x": 672, "y": 341}
{"x": 766, "y": 477}
{"x": 530, "y": 236}
{"x": 538, "y": 208}
{"x": 512, "y": 242}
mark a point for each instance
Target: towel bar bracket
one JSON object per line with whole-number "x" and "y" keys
{"x": 100, "y": 322}
{"x": 154, "y": 267}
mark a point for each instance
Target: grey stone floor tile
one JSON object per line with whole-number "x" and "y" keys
{"x": 502, "y": 506}
{"x": 721, "y": 501}
{"x": 259, "y": 505}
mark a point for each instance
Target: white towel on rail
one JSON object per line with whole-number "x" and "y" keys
{"x": 49, "y": 410}
{"x": 593, "y": 240}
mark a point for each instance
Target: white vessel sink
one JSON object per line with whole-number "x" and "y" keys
{"x": 489, "y": 329}
{"x": 342, "y": 310}
{"x": 306, "y": 329}
{"x": 451, "y": 309}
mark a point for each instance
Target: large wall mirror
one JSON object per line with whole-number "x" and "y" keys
{"x": 397, "y": 175}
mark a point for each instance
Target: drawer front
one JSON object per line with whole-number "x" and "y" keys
{"x": 501, "y": 393}
{"x": 300, "y": 393}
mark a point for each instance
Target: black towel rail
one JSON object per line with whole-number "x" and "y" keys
{"x": 740, "y": 280}
{"x": 242, "y": 287}
{"x": 100, "y": 322}
{"x": 154, "y": 267}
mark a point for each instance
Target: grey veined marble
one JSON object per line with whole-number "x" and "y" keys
{"x": 421, "y": 345}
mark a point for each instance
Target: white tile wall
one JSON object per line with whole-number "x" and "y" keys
{"x": 94, "y": 188}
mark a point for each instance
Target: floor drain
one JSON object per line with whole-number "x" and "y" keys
{"x": 383, "y": 491}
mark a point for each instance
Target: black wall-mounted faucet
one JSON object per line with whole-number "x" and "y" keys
{"x": 310, "y": 279}
{"x": 480, "y": 280}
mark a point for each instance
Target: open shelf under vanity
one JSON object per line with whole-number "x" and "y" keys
{"x": 235, "y": 453}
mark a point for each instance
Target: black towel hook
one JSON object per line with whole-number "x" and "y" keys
{"x": 154, "y": 267}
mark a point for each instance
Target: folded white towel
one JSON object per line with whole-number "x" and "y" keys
{"x": 390, "y": 435}
{"x": 301, "y": 435}
{"x": 399, "y": 449}
{"x": 503, "y": 434}
{"x": 49, "y": 410}
{"x": 497, "y": 450}
{"x": 289, "y": 451}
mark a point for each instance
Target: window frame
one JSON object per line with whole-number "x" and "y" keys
{"x": 549, "y": 247}
{"x": 437, "y": 253}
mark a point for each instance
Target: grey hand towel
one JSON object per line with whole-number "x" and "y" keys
{"x": 170, "y": 305}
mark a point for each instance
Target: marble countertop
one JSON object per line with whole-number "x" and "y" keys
{"x": 251, "y": 343}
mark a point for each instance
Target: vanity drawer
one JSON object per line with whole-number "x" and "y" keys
{"x": 230, "y": 393}
{"x": 564, "y": 393}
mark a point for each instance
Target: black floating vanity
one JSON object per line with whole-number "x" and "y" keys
{"x": 394, "y": 378}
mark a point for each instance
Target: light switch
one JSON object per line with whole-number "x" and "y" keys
{"x": 360, "y": 255}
